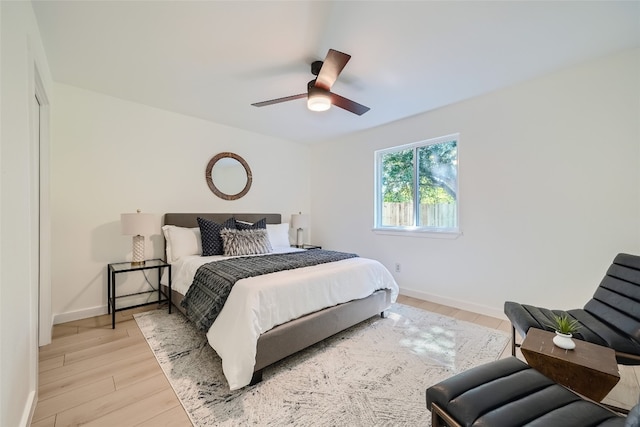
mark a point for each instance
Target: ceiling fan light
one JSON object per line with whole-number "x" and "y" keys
{"x": 318, "y": 99}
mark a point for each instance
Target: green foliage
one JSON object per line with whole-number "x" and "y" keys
{"x": 397, "y": 176}
{"x": 437, "y": 172}
{"x": 564, "y": 324}
{"x": 431, "y": 194}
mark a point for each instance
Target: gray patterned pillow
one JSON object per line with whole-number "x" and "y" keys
{"x": 245, "y": 242}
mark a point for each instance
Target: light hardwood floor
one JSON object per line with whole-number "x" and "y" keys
{"x": 97, "y": 376}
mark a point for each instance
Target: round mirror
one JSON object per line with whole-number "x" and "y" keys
{"x": 228, "y": 176}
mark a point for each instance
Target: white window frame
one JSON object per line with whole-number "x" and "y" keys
{"x": 415, "y": 231}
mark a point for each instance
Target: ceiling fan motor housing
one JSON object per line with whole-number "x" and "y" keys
{"x": 315, "y": 67}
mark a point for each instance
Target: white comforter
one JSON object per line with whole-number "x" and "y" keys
{"x": 257, "y": 304}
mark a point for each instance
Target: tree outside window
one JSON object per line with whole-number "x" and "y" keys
{"x": 417, "y": 186}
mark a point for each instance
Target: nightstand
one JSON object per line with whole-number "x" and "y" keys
{"x": 307, "y": 246}
{"x": 139, "y": 298}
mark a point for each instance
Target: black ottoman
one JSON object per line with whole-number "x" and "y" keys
{"x": 509, "y": 393}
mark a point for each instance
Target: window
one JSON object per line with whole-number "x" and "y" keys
{"x": 417, "y": 186}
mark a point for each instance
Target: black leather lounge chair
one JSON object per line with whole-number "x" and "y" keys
{"x": 509, "y": 393}
{"x": 611, "y": 318}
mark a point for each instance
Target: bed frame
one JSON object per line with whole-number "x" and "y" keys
{"x": 298, "y": 334}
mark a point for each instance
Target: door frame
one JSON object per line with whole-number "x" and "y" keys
{"x": 41, "y": 165}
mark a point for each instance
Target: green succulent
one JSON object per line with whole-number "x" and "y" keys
{"x": 564, "y": 324}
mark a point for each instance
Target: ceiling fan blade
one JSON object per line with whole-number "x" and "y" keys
{"x": 348, "y": 104}
{"x": 279, "y": 100}
{"x": 331, "y": 68}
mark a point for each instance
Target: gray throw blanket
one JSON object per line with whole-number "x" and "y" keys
{"x": 213, "y": 281}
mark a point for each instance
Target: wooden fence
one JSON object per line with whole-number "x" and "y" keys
{"x": 399, "y": 214}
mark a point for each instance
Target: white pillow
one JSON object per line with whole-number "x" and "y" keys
{"x": 182, "y": 242}
{"x": 278, "y": 235}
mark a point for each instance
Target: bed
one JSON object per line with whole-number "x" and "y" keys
{"x": 246, "y": 350}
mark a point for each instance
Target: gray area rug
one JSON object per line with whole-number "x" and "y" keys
{"x": 373, "y": 374}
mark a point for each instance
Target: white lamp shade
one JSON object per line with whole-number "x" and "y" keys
{"x": 299, "y": 221}
{"x": 137, "y": 224}
{"x": 318, "y": 99}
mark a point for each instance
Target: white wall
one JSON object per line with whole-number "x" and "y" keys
{"x": 21, "y": 53}
{"x": 549, "y": 185}
{"x": 112, "y": 156}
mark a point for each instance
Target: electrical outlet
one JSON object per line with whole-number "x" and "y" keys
{"x": 397, "y": 267}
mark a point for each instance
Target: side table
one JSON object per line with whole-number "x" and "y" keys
{"x": 307, "y": 246}
{"x": 125, "y": 267}
{"x": 590, "y": 370}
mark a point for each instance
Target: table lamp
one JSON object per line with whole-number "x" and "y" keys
{"x": 299, "y": 221}
{"x": 137, "y": 225}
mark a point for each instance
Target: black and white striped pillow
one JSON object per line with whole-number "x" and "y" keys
{"x": 245, "y": 242}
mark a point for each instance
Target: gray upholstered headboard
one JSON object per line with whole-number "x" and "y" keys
{"x": 191, "y": 219}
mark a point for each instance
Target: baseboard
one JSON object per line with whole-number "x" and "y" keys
{"x": 29, "y": 409}
{"x": 463, "y": 305}
{"x": 79, "y": 314}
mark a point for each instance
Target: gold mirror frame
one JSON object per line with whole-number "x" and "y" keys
{"x": 215, "y": 189}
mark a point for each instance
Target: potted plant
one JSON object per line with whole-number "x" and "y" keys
{"x": 565, "y": 327}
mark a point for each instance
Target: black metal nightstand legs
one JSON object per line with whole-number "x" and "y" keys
{"x": 124, "y": 267}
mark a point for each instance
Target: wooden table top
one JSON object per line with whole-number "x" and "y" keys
{"x": 589, "y": 369}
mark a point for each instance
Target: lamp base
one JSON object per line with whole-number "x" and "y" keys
{"x": 299, "y": 238}
{"x": 138, "y": 250}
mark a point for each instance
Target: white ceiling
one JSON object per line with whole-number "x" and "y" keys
{"x": 212, "y": 59}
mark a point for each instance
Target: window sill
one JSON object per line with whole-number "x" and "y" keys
{"x": 429, "y": 234}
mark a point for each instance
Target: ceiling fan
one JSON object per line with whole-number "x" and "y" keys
{"x": 319, "y": 95}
